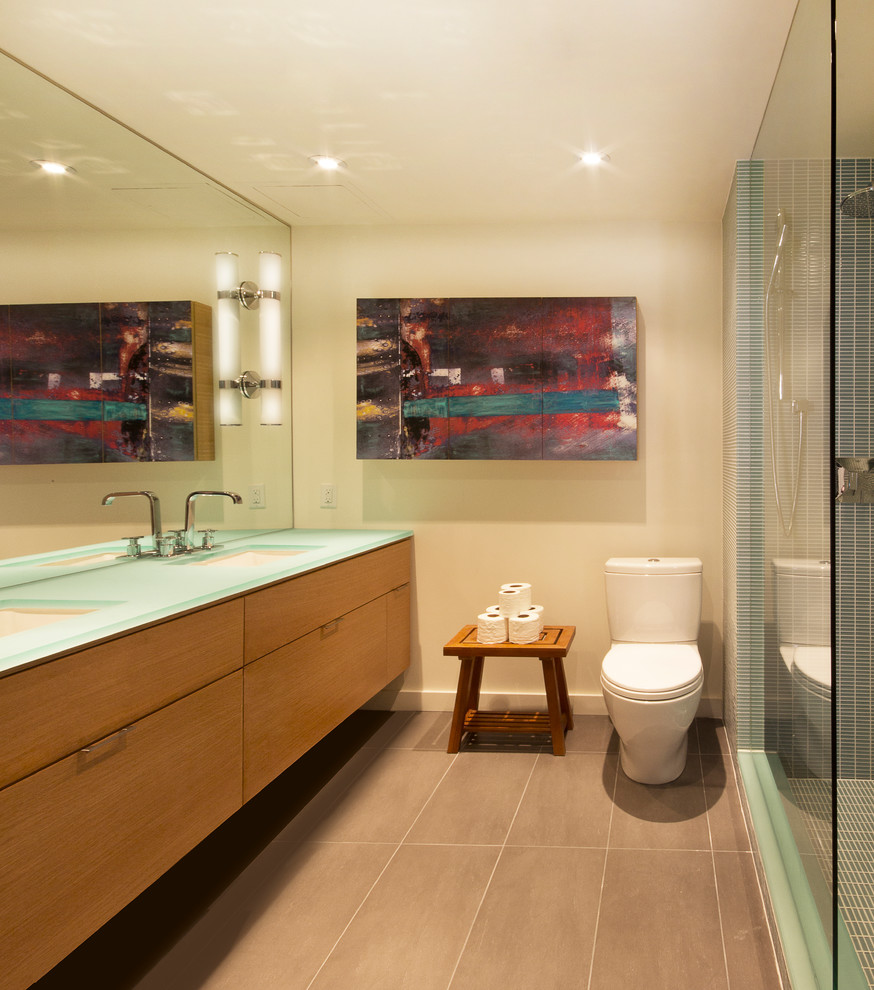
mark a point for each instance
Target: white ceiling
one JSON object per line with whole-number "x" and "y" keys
{"x": 443, "y": 110}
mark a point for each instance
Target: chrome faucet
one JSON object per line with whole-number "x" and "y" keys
{"x": 154, "y": 512}
{"x": 190, "y": 529}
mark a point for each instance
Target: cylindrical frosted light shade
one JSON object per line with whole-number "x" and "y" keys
{"x": 270, "y": 326}
{"x": 228, "y": 319}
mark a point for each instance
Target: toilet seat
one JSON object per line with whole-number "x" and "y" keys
{"x": 652, "y": 671}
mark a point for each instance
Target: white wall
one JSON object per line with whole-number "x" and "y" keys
{"x": 44, "y": 507}
{"x": 478, "y": 524}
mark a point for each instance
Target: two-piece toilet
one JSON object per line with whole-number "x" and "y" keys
{"x": 652, "y": 677}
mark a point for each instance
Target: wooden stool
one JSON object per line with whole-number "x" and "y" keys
{"x": 550, "y": 649}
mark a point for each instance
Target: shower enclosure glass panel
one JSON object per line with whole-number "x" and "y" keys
{"x": 854, "y": 436}
{"x": 784, "y": 568}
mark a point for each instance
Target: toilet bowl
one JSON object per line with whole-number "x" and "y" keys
{"x": 804, "y": 633}
{"x": 652, "y": 677}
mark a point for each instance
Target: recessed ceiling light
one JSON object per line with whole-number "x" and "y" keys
{"x": 594, "y": 158}
{"x": 328, "y": 162}
{"x": 54, "y": 168}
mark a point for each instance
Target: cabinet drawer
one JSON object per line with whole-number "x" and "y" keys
{"x": 83, "y": 837}
{"x": 49, "y": 711}
{"x": 296, "y": 695}
{"x": 397, "y": 654}
{"x": 286, "y": 611}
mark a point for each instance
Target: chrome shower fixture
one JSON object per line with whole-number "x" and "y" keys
{"x": 859, "y": 205}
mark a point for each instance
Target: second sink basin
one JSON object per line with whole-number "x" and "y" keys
{"x": 20, "y": 616}
{"x": 252, "y": 556}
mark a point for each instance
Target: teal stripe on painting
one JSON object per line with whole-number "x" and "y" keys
{"x": 125, "y": 410}
{"x": 70, "y": 410}
{"x": 586, "y": 400}
{"x": 517, "y": 404}
{"x": 430, "y": 408}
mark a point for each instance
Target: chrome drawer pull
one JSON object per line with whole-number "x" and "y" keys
{"x": 103, "y": 742}
{"x": 331, "y": 627}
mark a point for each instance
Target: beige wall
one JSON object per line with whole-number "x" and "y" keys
{"x": 45, "y": 507}
{"x": 478, "y": 524}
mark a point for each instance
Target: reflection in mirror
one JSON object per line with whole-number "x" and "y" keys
{"x": 131, "y": 222}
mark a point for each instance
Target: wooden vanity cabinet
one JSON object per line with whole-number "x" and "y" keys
{"x": 82, "y": 837}
{"x": 117, "y": 759}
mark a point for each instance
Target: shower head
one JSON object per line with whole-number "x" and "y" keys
{"x": 859, "y": 204}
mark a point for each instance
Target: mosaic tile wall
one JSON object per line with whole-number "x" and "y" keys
{"x": 743, "y": 503}
{"x": 854, "y": 435}
{"x": 762, "y": 703}
{"x": 796, "y": 202}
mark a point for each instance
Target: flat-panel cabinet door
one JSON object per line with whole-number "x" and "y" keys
{"x": 83, "y": 837}
{"x": 398, "y": 632}
{"x": 282, "y": 613}
{"x": 294, "y": 696}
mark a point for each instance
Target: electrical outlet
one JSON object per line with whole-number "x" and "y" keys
{"x": 328, "y": 497}
{"x": 257, "y": 497}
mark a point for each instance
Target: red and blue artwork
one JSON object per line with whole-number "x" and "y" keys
{"x": 96, "y": 382}
{"x": 498, "y": 379}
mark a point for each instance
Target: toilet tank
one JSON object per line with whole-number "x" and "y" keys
{"x": 653, "y": 599}
{"x": 803, "y": 602}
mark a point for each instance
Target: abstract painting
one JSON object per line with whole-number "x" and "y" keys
{"x": 502, "y": 378}
{"x": 106, "y": 382}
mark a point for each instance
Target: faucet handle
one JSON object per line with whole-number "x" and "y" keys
{"x": 206, "y": 542}
{"x": 133, "y": 548}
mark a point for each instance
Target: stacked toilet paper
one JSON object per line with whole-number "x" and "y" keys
{"x": 512, "y": 619}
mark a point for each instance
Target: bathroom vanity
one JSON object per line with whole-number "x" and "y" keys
{"x": 131, "y": 731}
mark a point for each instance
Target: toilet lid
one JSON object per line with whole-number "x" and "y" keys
{"x": 652, "y": 671}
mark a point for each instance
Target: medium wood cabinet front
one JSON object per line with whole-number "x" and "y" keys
{"x": 50, "y": 711}
{"x": 397, "y": 654}
{"x": 292, "y": 608}
{"x": 84, "y": 836}
{"x": 293, "y": 697}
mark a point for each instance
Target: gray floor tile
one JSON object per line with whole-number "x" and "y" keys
{"x": 412, "y": 927}
{"x": 748, "y": 949}
{"x": 415, "y": 730}
{"x": 476, "y": 801}
{"x": 592, "y": 734}
{"x": 728, "y": 829}
{"x": 385, "y": 799}
{"x": 275, "y": 926}
{"x": 537, "y": 923}
{"x": 663, "y": 816}
{"x": 659, "y": 923}
{"x": 568, "y": 802}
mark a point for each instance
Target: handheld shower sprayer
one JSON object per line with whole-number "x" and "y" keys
{"x": 799, "y": 407}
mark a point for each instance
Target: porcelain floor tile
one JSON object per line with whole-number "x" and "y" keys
{"x": 659, "y": 923}
{"x": 537, "y": 923}
{"x": 411, "y": 929}
{"x": 568, "y": 802}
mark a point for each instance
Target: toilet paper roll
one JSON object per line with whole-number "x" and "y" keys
{"x": 538, "y": 611}
{"x": 491, "y": 627}
{"x": 510, "y": 602}
{"x": 525, "y": 628}
{"x": 523, "y": 589}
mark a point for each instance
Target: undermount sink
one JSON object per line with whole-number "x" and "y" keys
{"x": 252, "y": 557}
{"x": 94, "y": 558}
{"x": 16, "y": 617}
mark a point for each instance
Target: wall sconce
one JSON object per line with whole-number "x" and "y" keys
{"x": 233, "y": 295}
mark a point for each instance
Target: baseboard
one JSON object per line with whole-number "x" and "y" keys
{"x": 444, "y": 701}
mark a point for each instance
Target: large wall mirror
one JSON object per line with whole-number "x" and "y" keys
{"x": 131, "y": 223}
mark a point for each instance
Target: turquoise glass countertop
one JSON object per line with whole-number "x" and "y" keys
{"x": 68, "y": 599}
